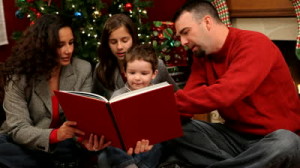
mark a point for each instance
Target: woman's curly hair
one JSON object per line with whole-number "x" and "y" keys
{"x": 35, "y": 54}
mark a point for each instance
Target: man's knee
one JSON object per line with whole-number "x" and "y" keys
{"x": 284, "y": 142}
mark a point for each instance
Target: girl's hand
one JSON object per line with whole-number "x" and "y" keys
{"x": 94, "y": 143}
{"x": 67, "y": 130}
{"x": 141, "y": 146}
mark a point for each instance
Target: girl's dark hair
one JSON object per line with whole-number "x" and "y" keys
{"x": 108, "y": 62}
{"x": 35, "y": 53}
{"x": 142, "y": 52}
{"x": 199, "y": 8}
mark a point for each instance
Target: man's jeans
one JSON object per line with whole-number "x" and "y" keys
{"x": 214, "y": 145}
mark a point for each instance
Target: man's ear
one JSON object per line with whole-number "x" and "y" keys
{"x": 154, "y": 74}
{"x": 207, "y": 19}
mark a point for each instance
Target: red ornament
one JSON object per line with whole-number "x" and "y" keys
{"x": 161, "y": 36}
{"x": 38, "y": 14}
{"x": 128, "y": 6}
{"x": 33, "y": 9}
{"x": 30, "y": 1}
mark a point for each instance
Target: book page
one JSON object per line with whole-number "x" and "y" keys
{"x": 87, "y": 94}
{"x": 139, "y": 91}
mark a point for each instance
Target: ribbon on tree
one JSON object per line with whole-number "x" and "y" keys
{"x": 296, "y": 4}
{"x": 3, "y": 34}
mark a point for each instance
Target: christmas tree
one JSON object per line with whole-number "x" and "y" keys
{"x": 88, "y": 18}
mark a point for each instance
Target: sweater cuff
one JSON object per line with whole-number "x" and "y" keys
{"x": 53, "y": 136}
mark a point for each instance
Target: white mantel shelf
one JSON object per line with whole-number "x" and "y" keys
{"x": 284, "y": 28}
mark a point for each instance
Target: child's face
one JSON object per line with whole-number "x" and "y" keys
{"x": 139, "y": 74}
{"x": 119, "y": 42}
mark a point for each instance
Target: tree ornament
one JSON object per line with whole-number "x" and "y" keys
{"x": 128, "y": 7}
{"x": 29, "y": 1}
{"x": 19, "y": 14}
{"x": 38, "y": 14}
{"x": 33, "y": 10}
{"x": 78, "y": 14}
{"x": 96, "y": 14}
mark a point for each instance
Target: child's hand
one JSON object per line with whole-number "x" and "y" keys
{"x": 141, "y": 146}
{"x": 94, "y": 143}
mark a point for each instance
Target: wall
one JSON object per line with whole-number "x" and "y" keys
{"x": 161, "y": 10}
{"x": 12, "y": 24}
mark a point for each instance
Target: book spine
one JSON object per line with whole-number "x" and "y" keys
{"x": 116, "y": 126}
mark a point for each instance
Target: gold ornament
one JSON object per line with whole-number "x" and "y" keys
{"x": 96, "y": 14}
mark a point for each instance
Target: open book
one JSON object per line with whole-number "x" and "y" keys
{"x": 147, "y": 113}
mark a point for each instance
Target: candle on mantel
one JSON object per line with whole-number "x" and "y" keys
{"x": 298, "y": 88}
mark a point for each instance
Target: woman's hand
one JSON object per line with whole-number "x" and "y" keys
{"x": 141, "y": 146}
{"x": 94, "y": 143}
{"x": 67, "y": 130}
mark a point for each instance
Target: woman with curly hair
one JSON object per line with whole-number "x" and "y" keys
{"x": 35, "y": 132}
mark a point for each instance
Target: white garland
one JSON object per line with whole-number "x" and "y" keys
{"x": 3, "y": 34}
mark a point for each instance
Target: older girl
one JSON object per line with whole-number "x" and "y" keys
{"x": 119, "y": 34}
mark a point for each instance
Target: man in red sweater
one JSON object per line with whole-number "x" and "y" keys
{"x": 243, "y": 75}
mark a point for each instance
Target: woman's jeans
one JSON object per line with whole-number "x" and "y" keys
{"x": 65, "y": 152}
{"x": 214, "y": 145}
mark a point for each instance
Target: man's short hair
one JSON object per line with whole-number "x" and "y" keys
{"x": 199, "y": 8}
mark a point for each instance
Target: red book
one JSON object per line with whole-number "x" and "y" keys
{"x": 147, "y": 113}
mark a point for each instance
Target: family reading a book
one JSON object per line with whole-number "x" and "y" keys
{"x": 240, "y": 73}
{"x": 35, "y": 132}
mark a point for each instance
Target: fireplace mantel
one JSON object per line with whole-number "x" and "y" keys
{"x": 260, "y": 8}
{"x": 279, "y": 28}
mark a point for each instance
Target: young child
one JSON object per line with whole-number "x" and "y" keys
{"x": 140, "y": 67}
